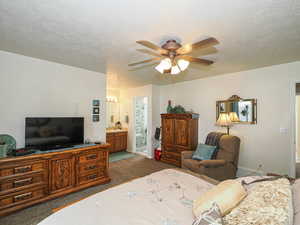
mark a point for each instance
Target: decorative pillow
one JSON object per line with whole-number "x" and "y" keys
{"x": 227, "y": 194}
{"x": 210, "y": 217}
{"x": 204, "y": 152}
{"x": 268, "y": 203}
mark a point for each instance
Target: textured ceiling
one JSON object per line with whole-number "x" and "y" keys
{"x": 100, "y": 35}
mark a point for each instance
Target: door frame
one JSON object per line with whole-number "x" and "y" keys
{"x": 148, "y": 146}
{"x": 293, "y": 145}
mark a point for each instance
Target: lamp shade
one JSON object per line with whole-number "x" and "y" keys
{"x": 234, "y": 117}
{"x": 224, "y": 120}
{"x": 183, "y": 64}
{"x": 175, "y": 70}
{"x": 165, "y": 64}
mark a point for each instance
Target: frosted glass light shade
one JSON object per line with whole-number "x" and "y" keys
{"x": 175, "y": 70}
{"x": 164, "y": 64}
{"x": 183, "y": 64}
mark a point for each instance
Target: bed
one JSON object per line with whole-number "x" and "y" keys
{"x": 161, "y": 198}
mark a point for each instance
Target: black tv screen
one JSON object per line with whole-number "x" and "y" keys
{"x": 46, "y": 133}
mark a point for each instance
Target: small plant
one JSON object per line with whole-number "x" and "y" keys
{"x": 178, "y": 109}
{"x": 2, "y": 143}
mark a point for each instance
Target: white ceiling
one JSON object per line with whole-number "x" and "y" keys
{"x": 100, "y": 35}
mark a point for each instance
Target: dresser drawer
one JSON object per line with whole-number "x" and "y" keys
{"x": 92, "y": 166}
{"x": 22, "y": 197}
{"x": 170, "y": 155}
{"x": 92, "y": 156}
{"x": 24, "y": 168}
{"x": 91, "y": 177}
{"x": 21, "y": 182}
{"x": 172, "y": 158}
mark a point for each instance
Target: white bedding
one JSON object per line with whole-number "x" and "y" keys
{"x": 161, "y": 198}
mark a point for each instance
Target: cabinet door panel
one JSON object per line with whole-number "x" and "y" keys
{"x": 118, "y": 143}
{"x": 110, "y": 140}
{"x": 168, "y": 131}
{"x": 62, "y": 173}
{"x": 181, "y": 132}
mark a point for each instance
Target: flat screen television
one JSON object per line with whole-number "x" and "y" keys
{"x": 46, "y": 133}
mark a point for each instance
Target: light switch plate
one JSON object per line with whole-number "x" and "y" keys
{"x": 283, "y": 130}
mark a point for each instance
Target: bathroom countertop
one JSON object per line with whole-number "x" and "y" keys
{"x": 116, "y": 131}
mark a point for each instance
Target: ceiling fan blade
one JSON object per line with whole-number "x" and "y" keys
{"x": 145, "y": 61}
{"x": 147, "y": 51}
{"x": 201, "y": 44}
{"x": 196, "y": 60}
{"x": 148, "y": 44}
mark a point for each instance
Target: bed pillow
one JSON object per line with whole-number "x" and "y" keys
{"x": 227, "y": 194}
{"x": 210, "y": 217}
{"x": 204, "y": 152}
{"x": 296, "y": 201}
{"x": 268, "y": 203}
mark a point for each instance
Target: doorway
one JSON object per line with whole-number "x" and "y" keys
{"x": 141, "y": 125}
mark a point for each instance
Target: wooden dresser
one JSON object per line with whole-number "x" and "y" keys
{"x": 27, "y": 180}
{"x": 117, "y": 141}
{"x": 179, "y": 133}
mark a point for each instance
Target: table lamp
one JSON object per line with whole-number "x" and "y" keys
{"x": 224, "y": 121}
{"x": 234, "y": 117}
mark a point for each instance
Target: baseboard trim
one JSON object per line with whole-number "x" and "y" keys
{"x": 243, "y": 172}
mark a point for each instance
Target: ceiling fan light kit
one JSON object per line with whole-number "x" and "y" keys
{"x": 173, "y": 56}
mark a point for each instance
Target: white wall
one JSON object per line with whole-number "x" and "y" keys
{"x": 126, "y": 103}
{"x": 262, "y": 143}
{"x": 31, "y": 87}
{"x": 298, "y": 126}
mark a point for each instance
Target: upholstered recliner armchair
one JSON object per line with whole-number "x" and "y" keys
{"x": 223, "y": 167}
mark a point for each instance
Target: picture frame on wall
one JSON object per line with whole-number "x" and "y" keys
{"x": 96, "y": 102}
{"x": 96, "y": 118}
{"x": 96, "y": 110}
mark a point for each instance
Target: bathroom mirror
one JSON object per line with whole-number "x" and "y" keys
{"x": 239, "y": 110}
{"x": 113, "y": 114}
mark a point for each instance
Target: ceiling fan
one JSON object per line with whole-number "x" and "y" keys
{"x": 173, "y": 56}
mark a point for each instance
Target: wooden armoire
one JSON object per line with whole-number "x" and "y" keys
{"x": 179, "y": 133}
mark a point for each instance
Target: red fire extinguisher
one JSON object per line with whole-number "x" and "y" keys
{"x": 157, "y": 153}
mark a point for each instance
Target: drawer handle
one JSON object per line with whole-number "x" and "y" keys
{"x": 19, "y": 183}
{"x": 22, "y": 196}
{"x": 22, "y": 169}
{"x": 91, "y": 157}
{"x": 91, "y": 167}
{"x": 93, "y": 176}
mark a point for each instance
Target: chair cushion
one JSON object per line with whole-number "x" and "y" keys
{"x": 204, "y": 152}
{"x": 227, "y": 194}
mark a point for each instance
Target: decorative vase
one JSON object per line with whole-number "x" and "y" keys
{"x": 169, "y": 108}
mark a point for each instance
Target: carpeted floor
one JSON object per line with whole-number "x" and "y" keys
{"x": 120, "y": 172}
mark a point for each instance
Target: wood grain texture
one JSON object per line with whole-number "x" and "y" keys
{"x": 117, "y": 141}
{"x": 28, "y": 180}
{"x": 179, "y": 133}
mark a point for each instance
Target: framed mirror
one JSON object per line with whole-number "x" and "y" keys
{"x": 239, "y": 110}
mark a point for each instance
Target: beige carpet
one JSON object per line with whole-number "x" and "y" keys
{"x": 120, "y": 172}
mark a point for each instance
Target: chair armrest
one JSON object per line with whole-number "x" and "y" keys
{"x": 186, "y": 155}
{"x": 213, "y": 163}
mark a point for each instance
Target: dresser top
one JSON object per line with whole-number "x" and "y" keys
{"x": 50, "y": 153}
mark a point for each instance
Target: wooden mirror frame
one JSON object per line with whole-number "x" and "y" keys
{"x": 235, "y": 98}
